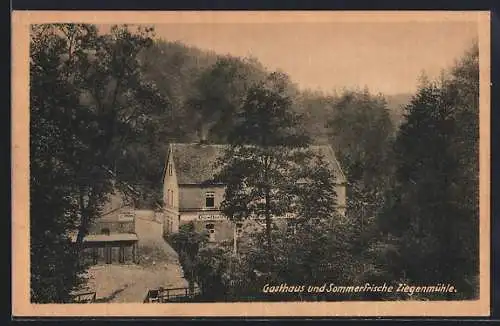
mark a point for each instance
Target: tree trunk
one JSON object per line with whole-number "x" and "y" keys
{"x": 268, "y": 226}
{"x": 191, "y": 283}
{"x": 267, "y": 191}
{"x": 82, "y": 229}
{"x": 84, "y": 223}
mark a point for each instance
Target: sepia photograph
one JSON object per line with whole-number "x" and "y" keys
{"x": 251, "y": 163}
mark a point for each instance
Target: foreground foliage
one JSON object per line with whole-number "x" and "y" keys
{"x": 88, "y": 103}
{"x": 112, "y": 102}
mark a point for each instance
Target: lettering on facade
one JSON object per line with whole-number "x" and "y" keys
{"x": 125, "y": 216}
{"x": 214, "y": 217}
{"x": 211, "y": 217}
{"x": 286, "y": 216}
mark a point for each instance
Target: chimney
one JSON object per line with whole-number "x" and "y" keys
{"x": 203, "y": 134}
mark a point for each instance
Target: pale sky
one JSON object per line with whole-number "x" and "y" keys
{"x": 387, "y": 57}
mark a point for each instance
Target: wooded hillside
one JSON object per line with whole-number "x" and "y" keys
{"x": 205, "y": 91}
{"x": 114, "y": 101}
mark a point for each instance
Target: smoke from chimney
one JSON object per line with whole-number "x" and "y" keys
{"x": 203, "y": 133}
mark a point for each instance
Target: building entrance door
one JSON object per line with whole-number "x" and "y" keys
{"x": 108, "y": 255}
{"x": 121, "y": 257}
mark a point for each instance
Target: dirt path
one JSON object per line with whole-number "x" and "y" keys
{"x": 152, "y": 245}
{"x": 158, "y": 266}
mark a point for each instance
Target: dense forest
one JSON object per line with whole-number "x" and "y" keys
{"x": 114, "y": 102}
{"x": 205, "y": 91}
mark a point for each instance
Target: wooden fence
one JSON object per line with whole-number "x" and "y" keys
{"x": 171, "y": 295}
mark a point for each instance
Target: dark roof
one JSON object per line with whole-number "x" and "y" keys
{"x": 195, "y": 162}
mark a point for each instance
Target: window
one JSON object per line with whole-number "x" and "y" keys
{"x": 170, "y": 169}
{"x": 210, "y": 200}
{"x": 211, "y": 231}
{"x": 170, "y": 198}
{"x": 105, "y": 231}
{"x": 239, "y": 229}
{"x": 108, "y": 255}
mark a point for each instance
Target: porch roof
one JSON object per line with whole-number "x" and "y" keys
{"x": 113, "y": 237}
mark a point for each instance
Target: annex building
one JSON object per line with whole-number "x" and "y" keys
{"x": 112, "y": 238}
{"x": 189, "y": 196}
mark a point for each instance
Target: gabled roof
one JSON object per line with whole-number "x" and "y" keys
{"x": 195, "y": 162}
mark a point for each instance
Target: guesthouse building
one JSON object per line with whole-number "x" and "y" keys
{"x": 190, "y": 195}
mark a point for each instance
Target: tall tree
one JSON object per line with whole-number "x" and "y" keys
{"x": 315, "y": 227}
{"x": 361, "y": 131}
{"x": 54, "y": 268}
{"x": 256, "y": 166}
{"x": 87, "y": 88}
{"x": 317, "y": 108}
{"x": 434, "y": 208}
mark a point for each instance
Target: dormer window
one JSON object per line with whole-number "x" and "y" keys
{"x": 170, "y": 169}
{"x": 210, "y": 199}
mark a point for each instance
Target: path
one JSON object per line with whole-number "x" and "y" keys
{"x": 158, "y": 266}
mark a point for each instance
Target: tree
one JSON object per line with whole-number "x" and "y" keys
{"x": 175, "y": 68}
{"x": 219, "y": 92}
{"x": 316, "y": 107}
{"x": 317, "y": 236}
{"x": 362, "y": 133}
{"x": 211, "y": 267}
{"x": 255, "y": 167}
{"x": 54, "y": 269}
{"x": 188, "y": 243}
{"x": 87, "y": 100}
{"x": 317, "y": 246}
{"x": 434, "y": 212}
{"x": 315, "y": 190}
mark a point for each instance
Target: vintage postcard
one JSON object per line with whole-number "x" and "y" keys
{"x": 251, "y": 163}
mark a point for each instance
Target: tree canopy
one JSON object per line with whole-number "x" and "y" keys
{"x": 89, "y": 105}
{"x": 433, "y": 209}
{"x": 105, "y": 106}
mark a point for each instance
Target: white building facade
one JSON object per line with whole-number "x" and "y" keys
{"x": 189, "y": 196}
